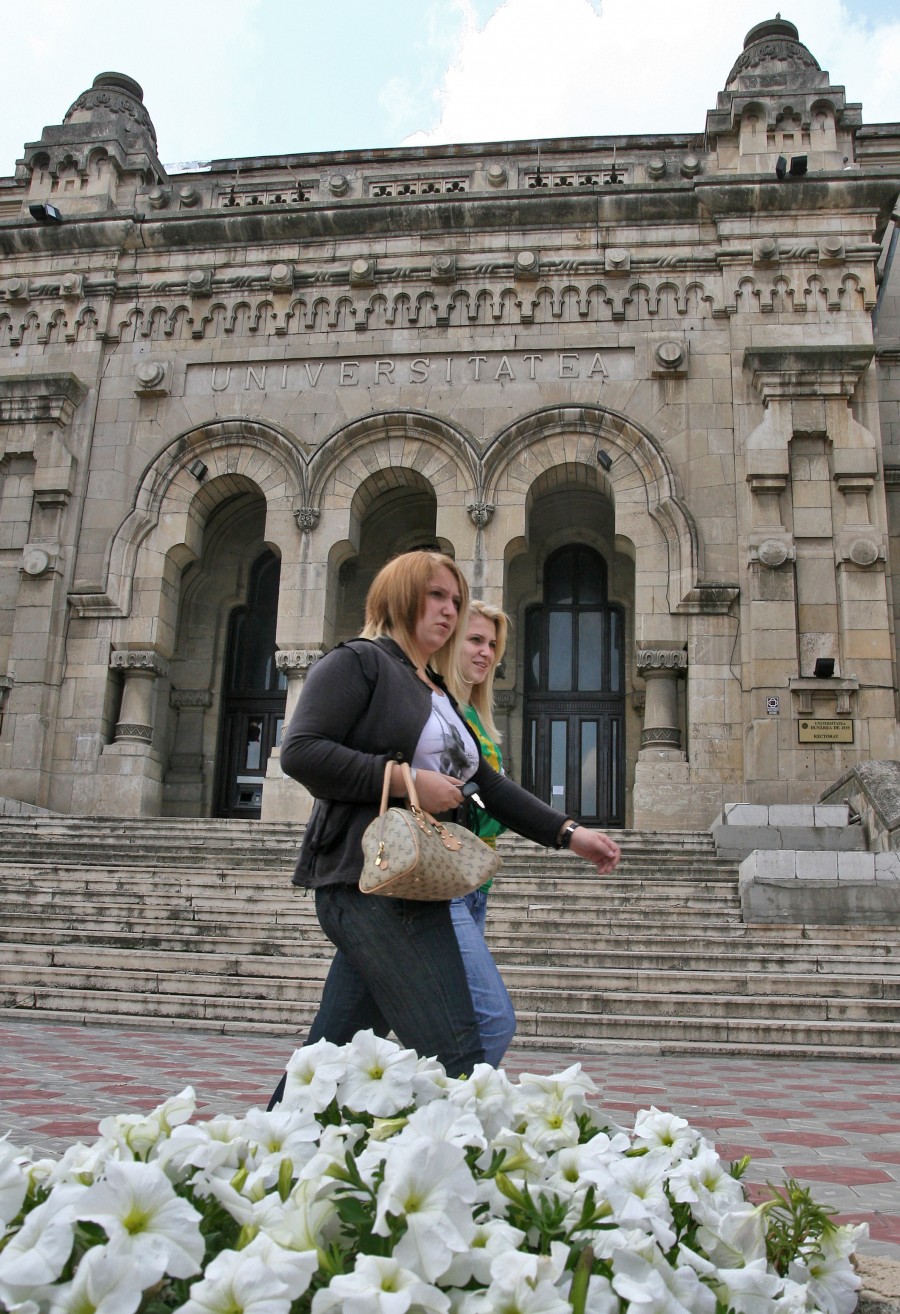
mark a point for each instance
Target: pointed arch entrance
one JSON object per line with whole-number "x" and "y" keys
{"x": 574, "y": 711}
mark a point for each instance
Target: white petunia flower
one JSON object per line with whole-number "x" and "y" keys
{"x": 139, "y": 1134}
{"x": 104, "y": 1283}
{"x": 237, "y": 1283}
{"x": 489, "y": 1094}
{"x": 378, "y": 1078}
{"x": 636, "y": 1191}
{"x": 379, "y": 1286}
{"x": 601, "y": 1299}
{"x": 281, "y": 1134}
{"x": 831, "y": 1280}
{"x": 137, "y": 1207}
{"x": 734, "y": 1238}
{"x": 427, "y": 1183}
{"x": 312, "y": 1076}
{"x": 654, "y": 1129}
{"x": 207, "y": 1145}
{"x": 652, "y": 1286}
{"x": 13, "y": 1182}
{"x": 491, "y": 1238}
{"x": 306, "y": 1221}
{"x": 751, "y": 1289}
{"x": 572, "y": 1084}
{"x": 551, "y": 1123}
{"x": 704, "y": 1178}
{"x": 443, "y": 1121}
{"x": 294, "y": 1267}
{"x": 522, "y": 1283}
{"x": 37, "y": 1253}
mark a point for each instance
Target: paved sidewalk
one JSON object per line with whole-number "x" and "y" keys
{"x": 834, "y": 1126}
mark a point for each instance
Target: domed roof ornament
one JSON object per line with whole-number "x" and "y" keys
{"x": 774, "y": 57}
{"x": 113, "y": 93}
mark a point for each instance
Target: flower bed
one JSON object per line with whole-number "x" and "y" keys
{"x": 382, "y": 1186}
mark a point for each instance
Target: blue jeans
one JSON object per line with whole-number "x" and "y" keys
{"x": 398, "y": 967}
{"x": 493, "y": 1006}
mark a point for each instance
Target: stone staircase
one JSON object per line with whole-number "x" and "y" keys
{"x": 195, "y": 924}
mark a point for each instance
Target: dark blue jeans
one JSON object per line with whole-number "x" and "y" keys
{"x": 397, "y": 968}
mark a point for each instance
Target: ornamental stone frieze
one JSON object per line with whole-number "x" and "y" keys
{"x": 190, "y": 698}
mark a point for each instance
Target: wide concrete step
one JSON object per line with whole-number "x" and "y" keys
{"x": 774, "y": 1033}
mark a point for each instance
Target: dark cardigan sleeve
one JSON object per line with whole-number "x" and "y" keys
{"x": 517, "y": 809}
{"x": 336, "y": 694}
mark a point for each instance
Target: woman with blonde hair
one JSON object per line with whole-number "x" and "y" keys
{"x": 373, "y": 703}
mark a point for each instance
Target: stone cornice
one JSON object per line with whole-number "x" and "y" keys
{"x": 39, "y": 398}
{"x": 821, "y": 371}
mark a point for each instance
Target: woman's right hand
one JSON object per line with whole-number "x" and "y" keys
{"x": 436, "y": 793}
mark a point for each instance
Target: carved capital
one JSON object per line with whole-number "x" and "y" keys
{"x": 816, "y": 372}
{"x": 130, "y": 730}
{"x": 480, "y": 513}
{"x": 296, "y": 661}
{"x": 661, "y": 660}
{"x": 138, "y": 662}
{"x": 40, "y": 398}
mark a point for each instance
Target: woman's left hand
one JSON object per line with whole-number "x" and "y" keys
{"x": 597, "y": 848}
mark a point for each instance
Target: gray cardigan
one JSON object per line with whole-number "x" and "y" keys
{"x": 363, "y": 705}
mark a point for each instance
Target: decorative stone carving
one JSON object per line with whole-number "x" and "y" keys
{"x": 864, "y": 552}
{"x": 362, "y": 272}
{"x": 661, "y": 736}
{"x": 200, "y": 282}
{"x": 505, "y": 698}
{"x": 137, "y": 660}
{"x": 691, "y": 165}
{"x": 617, "y": 260}
{"x": 496, "y": 174}
{"x": 281, "y": 277}
{"x": 443, "y": 268}
{"x": 36, "y": 561}
{"x": 832, "y": 250}
{"x": 71, "y": 286}
{"x": 527, "y": 263}
{"x": 40, "y": 398}
{"x": 661, "y": 659}
{"x": 772, "y": 553}
{"x": 132, "y": 730}
{"x": 16, "y": 290}
{"x": 339, "y": 184}
{"x": 180, "y": 698}
{"x": 656, "y": 167}
{"x": 150, "y": 379}
{"x": 480, "y": 513}
{"x": 670, "y": 357}
{"x": 765, "y": 251}
{"x": 114, "y": 93}
{"x": 158, "y": 198}
{"x": 296, "y": 661}
{"x": 188, "y": 196}
{"x": 307, "y": 517}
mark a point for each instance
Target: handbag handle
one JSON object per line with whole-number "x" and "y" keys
{"x": 423, "y": 818}
{"x": 408, "y": 783}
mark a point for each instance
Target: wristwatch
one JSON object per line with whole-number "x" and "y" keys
{"x": 565, "y": 837}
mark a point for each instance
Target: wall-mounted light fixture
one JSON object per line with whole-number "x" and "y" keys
{"x": 45, "y": 214}
{"x": 796, "y": 169}
{"x": 198, "y": 470}
{"x": 824, "y": 668}
{"x": 604, "y": 459}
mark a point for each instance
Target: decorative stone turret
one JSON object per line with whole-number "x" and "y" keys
{"x": 778, "y": 102}
{"x": 95, "y": 160}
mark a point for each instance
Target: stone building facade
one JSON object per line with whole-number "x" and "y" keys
{"x": 645, "y": 389}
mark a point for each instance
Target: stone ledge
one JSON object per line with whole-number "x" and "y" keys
{"x": 743, "y": 828}
{"x": 880, "y": 1292}
{"x": 828, "y": 889}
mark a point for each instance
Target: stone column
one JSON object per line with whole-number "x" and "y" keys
{"x": 128, "y": 778}
{"x": 140, "y": 670}
{"x": 661, "y": 736}
{"x": 186, "y": 777}
{"x": 284, "y": 799}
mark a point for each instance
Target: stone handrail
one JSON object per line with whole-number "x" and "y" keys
{"x": 873, "y": 790}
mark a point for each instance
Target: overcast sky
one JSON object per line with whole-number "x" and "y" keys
{"x": 228, "y": 78}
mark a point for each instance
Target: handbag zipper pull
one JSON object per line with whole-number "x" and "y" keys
{"x": 380, "y": 854}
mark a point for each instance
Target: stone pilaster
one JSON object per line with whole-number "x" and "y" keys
{"x": 284, "y": 799}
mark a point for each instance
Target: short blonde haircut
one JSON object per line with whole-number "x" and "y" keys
{"x": 481, "y": 696}
{"x": 396, "y": 600}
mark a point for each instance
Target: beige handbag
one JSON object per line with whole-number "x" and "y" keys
{"x": 407, "y": 854}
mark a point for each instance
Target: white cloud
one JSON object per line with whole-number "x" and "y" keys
{"x": 541, "y": 68}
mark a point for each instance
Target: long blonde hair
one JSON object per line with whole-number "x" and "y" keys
{"x": 481, "y": 696}
{"x": 396, "y": 600}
